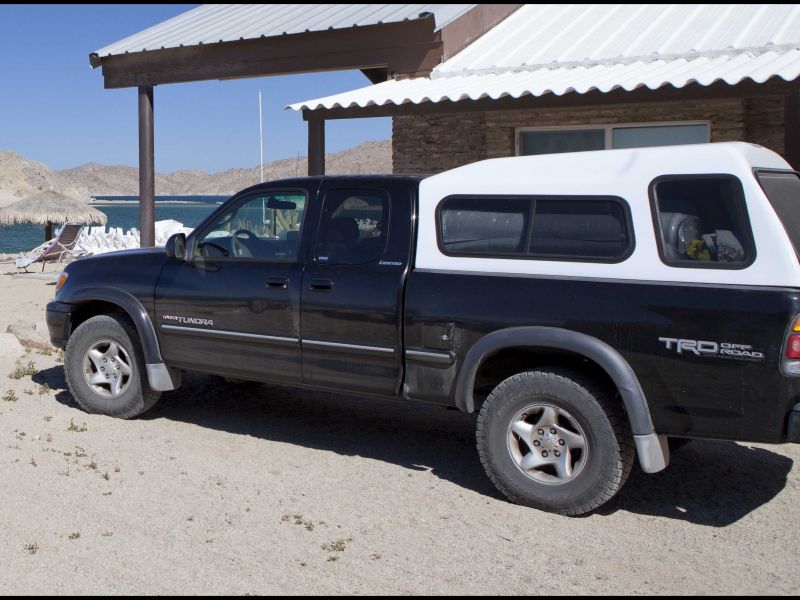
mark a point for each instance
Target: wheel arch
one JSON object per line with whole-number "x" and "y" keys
{"x": 651, "y": 448}
{"x": 91, "y": 302}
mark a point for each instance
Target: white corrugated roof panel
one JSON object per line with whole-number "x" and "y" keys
{"x": 559, "y": 81}
{"x": 560, "y": 49}
{"x": 548, "y": 35}
{"x": 213, "y": 23}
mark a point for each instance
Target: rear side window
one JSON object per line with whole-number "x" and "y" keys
{"x": 353, "y": 227}
{"x": 783, "y": 191}
{"x": 546, "y": 228}
{"x": 701, "y": 221}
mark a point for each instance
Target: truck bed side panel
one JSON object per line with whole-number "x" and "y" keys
{"x": 656, "y": 327}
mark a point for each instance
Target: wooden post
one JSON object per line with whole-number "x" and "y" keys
{"x": 316, "y": 146}
{"x": 48, "y": 231}
{"x": 147, "y": 175}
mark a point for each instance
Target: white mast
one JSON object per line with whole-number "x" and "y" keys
{"x": 261, "y": 136}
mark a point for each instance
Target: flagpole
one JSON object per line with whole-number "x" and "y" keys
{"x": 261, "y": 136}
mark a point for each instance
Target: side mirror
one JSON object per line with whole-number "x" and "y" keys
{"x": 176, "y": 246}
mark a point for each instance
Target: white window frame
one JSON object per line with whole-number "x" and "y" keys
{"x": 608, "y": 128}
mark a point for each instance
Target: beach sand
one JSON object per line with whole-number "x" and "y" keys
{"x": 259, "y": 489}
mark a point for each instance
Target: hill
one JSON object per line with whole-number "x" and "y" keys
{"x": 20, "y": 177}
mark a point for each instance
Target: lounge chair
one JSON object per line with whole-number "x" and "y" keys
{"x": 53, "y": 250}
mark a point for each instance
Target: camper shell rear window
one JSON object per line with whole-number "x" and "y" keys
{"x": 782, "y": 189}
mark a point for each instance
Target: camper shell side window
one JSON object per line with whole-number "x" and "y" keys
{"x": 701, "y": 221}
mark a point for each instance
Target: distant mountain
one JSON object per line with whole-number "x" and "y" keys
{"x": 20, "y": 177}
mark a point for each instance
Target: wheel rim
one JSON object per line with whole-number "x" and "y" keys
{"x": 547, "y": 444}
{"x": 107, "y": 368}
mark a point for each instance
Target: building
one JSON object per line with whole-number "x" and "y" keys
{"x": 555, "y": 78}
{"x": 464, "y": 82}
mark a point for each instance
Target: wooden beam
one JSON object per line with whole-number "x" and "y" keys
{"x": 411, "y": 47}
{"x": 316, "y": 147}
{"x": 376, "y": 75}
{"x": 147, "y": 209}
{"x": 467, "y": 28}
{"x": 792, "y": 129}
{"x": 692, "y": 92}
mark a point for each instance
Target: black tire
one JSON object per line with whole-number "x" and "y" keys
{"x": 137, "y": 398}
{"x": 604, "y": 424}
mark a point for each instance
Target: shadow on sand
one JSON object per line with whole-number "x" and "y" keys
{"x": 709, "y": 483}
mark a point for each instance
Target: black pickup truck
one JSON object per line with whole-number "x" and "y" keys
{"x": 585, "y": 320}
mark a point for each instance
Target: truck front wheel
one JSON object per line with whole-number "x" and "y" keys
{"x": 555, "y": 440}
{"x": 105, "y": 368}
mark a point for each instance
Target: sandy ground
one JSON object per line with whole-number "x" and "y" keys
{"x": 260, "y": 489}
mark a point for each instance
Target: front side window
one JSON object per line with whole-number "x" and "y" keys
{"x": 265, "y": 226}
{"x": 702, "y": 221}
{"x": 548, "y": 228}
{"x": 353, "y": 227}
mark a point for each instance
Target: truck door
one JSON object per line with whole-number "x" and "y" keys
{"x": 352, "y": 288}
{"x": 234, "y": 308}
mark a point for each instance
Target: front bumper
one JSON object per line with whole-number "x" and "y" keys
{"x": 793, "y": 430}
{"x": 59, "y": 323}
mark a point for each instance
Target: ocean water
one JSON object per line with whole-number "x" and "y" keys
{"x": 21, "y": 238}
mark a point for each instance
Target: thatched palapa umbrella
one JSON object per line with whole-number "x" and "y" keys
{"x": 46, "y": 208}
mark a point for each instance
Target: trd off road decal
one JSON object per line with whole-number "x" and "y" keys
{"x": 188, "y": 320}
{"x": 712, "y": 349}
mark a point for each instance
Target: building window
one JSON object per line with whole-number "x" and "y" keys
{"x": 552, "y": 140}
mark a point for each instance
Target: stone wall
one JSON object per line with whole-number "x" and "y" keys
{"x": 430, "y": 144}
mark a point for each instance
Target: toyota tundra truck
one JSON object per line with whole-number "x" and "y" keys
{"x": 586, "y": 307}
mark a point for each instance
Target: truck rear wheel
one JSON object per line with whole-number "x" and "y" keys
{"x": 105, "y": 368}
{"x": 555, "y": 440}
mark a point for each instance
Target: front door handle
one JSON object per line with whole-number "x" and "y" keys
{"x": 321, "y": 285}
{"x": 278, "y": 283}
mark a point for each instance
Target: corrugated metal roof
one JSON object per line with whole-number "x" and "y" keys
{"x": 604, "y": 78}
{"x": 561, "y": 35}
{"x": 560, "y": 49}
{"x": 213, "y": 23}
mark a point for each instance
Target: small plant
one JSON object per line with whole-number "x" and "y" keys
{"x": 46, "y": 351}
{"x": 44, "y": 389}
{"x": 28, "y": 392}
{"x": 338, "y": 546}
{"x": 106, "y": 476}
{"x": 107, "y": 534}
{"x": 74, "y": 536}
{"x": 92, "y": 465}
{"x": 49, "y": 438}
{"x": 77, "y": 428}
{"x": 60, "y": 356}
{"x": 80, "y": 452}
{"x": 10, "y": 396}
{"x": 21, "y": 371}
{"x": 48, "y": 419}
{"x": 32, "y": 548}
{"x": 33, "y": 462}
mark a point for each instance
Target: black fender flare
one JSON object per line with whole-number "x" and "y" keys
{"x": 134, "y": 309}
{"x": 590, "y": 347}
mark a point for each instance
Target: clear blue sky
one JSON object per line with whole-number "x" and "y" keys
{"x": 53, "y": 107}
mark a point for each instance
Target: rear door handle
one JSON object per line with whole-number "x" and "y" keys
{"x": 278, "y": 283}
{"x": 321, "y": 285}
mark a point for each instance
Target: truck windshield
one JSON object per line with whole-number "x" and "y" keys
{"x": 783, "y": 191}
